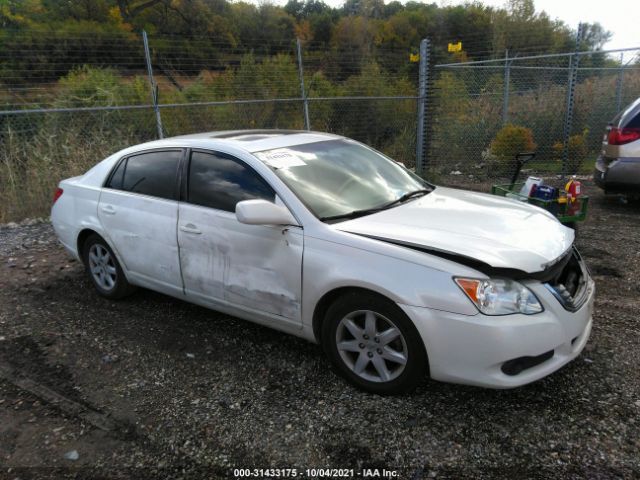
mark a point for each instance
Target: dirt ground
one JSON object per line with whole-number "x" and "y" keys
{"x": 152, "y": 387}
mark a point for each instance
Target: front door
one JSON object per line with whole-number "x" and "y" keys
{"x": 257, "y": 267}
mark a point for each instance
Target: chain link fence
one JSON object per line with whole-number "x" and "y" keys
{"x": 68, "y": 101}
{"x": 482, "y": 113}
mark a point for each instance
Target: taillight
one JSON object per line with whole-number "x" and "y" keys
{"x": 57, "y": 195}
{"x": 620, "y": 136}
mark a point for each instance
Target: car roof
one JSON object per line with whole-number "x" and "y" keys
{"x": 248, "y": 140}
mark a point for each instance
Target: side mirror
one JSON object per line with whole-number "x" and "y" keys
{"x": 262, "y": 212}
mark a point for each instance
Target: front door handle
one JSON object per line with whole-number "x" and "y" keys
{"x": 108, "y": 209}
{"x": 190, "y": 228}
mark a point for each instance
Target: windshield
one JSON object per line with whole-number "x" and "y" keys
{"x": 338, "y": 177}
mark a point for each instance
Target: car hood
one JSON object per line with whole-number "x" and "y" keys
{"x": 499, "y": 232}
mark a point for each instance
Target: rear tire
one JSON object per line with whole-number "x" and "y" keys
{"x": 103, "y": 269}
{"x": 373, "y": 344}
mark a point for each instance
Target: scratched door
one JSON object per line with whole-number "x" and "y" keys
{"x": 264, "y": 268}
{"x": 252, "y": 266}
{"x": 139, "y": 212}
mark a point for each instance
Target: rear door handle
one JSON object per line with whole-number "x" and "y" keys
{"x": 108, "y": 209}
{"x": 190, "y": 228}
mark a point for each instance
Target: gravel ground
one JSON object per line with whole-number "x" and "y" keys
{"x": 195, "y": 393}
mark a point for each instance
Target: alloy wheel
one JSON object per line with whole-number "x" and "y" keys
{"x": 372, "y": 346}
{"x": 102, "y": 267}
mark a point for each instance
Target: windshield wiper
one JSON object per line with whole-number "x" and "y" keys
{"x": 405, "y": 197}
{"x": 353, "y": 214}
{"x": 367, "y": 211}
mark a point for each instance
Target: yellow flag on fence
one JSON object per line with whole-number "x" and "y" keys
{"x": 414, "y": 57}
{"x": 455, "y": 47}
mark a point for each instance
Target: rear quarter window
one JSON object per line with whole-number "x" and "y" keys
{"x": 116, "y": 177}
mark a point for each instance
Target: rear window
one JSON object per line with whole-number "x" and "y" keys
{"x": 152, "y": 173}
{"x": 634, "y": 122}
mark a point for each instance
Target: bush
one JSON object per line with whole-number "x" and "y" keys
{"x": 578, "y": 151}
{"x": 509, "y": 141}
{"x": 87, "y": 86}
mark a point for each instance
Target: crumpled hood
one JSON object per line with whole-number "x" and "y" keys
{"x": 500, "y": 232}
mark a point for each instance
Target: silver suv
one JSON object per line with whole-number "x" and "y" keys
{"x": 618, "y": 166}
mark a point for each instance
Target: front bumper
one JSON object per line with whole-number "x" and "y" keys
{"x": 473, "y": 349}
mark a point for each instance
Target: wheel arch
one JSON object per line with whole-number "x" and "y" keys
{"x": 329, "y": 298}
{"x": 82, "y": 238}
{"x": 86, "y": 233}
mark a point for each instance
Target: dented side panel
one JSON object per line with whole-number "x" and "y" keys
{"x": 251, "y": 266}
{"x": 330, "y": 265}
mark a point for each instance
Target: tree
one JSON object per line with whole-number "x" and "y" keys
{"x": 321, "y": 26}
{"x": 594, "y": 36}
{"x": 365, "y": 8}
{"x": 295, "y": 8}
{"x": 392, "y": 8}
{"x": 129, "y": 9}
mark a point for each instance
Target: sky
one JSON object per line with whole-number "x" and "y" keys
{"x": 620, "y": 17}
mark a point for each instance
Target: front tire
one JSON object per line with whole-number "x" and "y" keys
{"x": 373, "y": 344}
{"x": 103, "y": 269}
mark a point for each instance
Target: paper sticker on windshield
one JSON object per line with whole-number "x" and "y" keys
{"x": 281, "y": 159}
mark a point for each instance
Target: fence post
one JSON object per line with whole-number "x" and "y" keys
{"x": 423, "y": 90}
{"x": 619, "y": 84}
{"x": 505, "y": 95}
{"x": 305, "y": 101}
{"x": 574, "y": 59}
{"x": 154, "y": 85}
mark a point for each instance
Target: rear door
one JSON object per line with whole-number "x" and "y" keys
{"x": 251, "y": 266}
{"x": 139, "y": 211}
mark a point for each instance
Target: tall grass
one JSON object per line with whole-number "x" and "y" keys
{"x": 32, "y": 165}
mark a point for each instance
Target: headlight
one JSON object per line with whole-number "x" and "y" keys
{"x": 499, "y": 297}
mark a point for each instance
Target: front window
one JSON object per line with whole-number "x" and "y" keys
{"x": 338, "y": 178}
{"x": 220, "y": 181}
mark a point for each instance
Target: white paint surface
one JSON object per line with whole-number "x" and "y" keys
{"x": 276, "y": 275}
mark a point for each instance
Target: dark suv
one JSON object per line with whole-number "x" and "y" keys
{"x": 618, "y": 166}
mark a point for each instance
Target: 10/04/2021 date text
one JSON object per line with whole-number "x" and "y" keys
{"x": 313, "y": 473}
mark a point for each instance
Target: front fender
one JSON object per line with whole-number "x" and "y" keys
{"x": 329, "y": 266}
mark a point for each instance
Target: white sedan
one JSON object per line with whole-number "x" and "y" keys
{"x": 325, "y": 238}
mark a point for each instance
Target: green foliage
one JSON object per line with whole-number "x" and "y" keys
{"x": 36, "y": 55}
{"x": 89, "y": 87}
{"x": 577, "y": 151}
{"x": 320, "y": 112}
{"x": 508, "y": 142}
{"x": 74, "y": 33}
{"x": 86, "y": 87}
{"x": 380, "y": 123}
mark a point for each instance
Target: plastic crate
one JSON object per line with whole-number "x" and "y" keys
{"x": 560, "y": 210}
